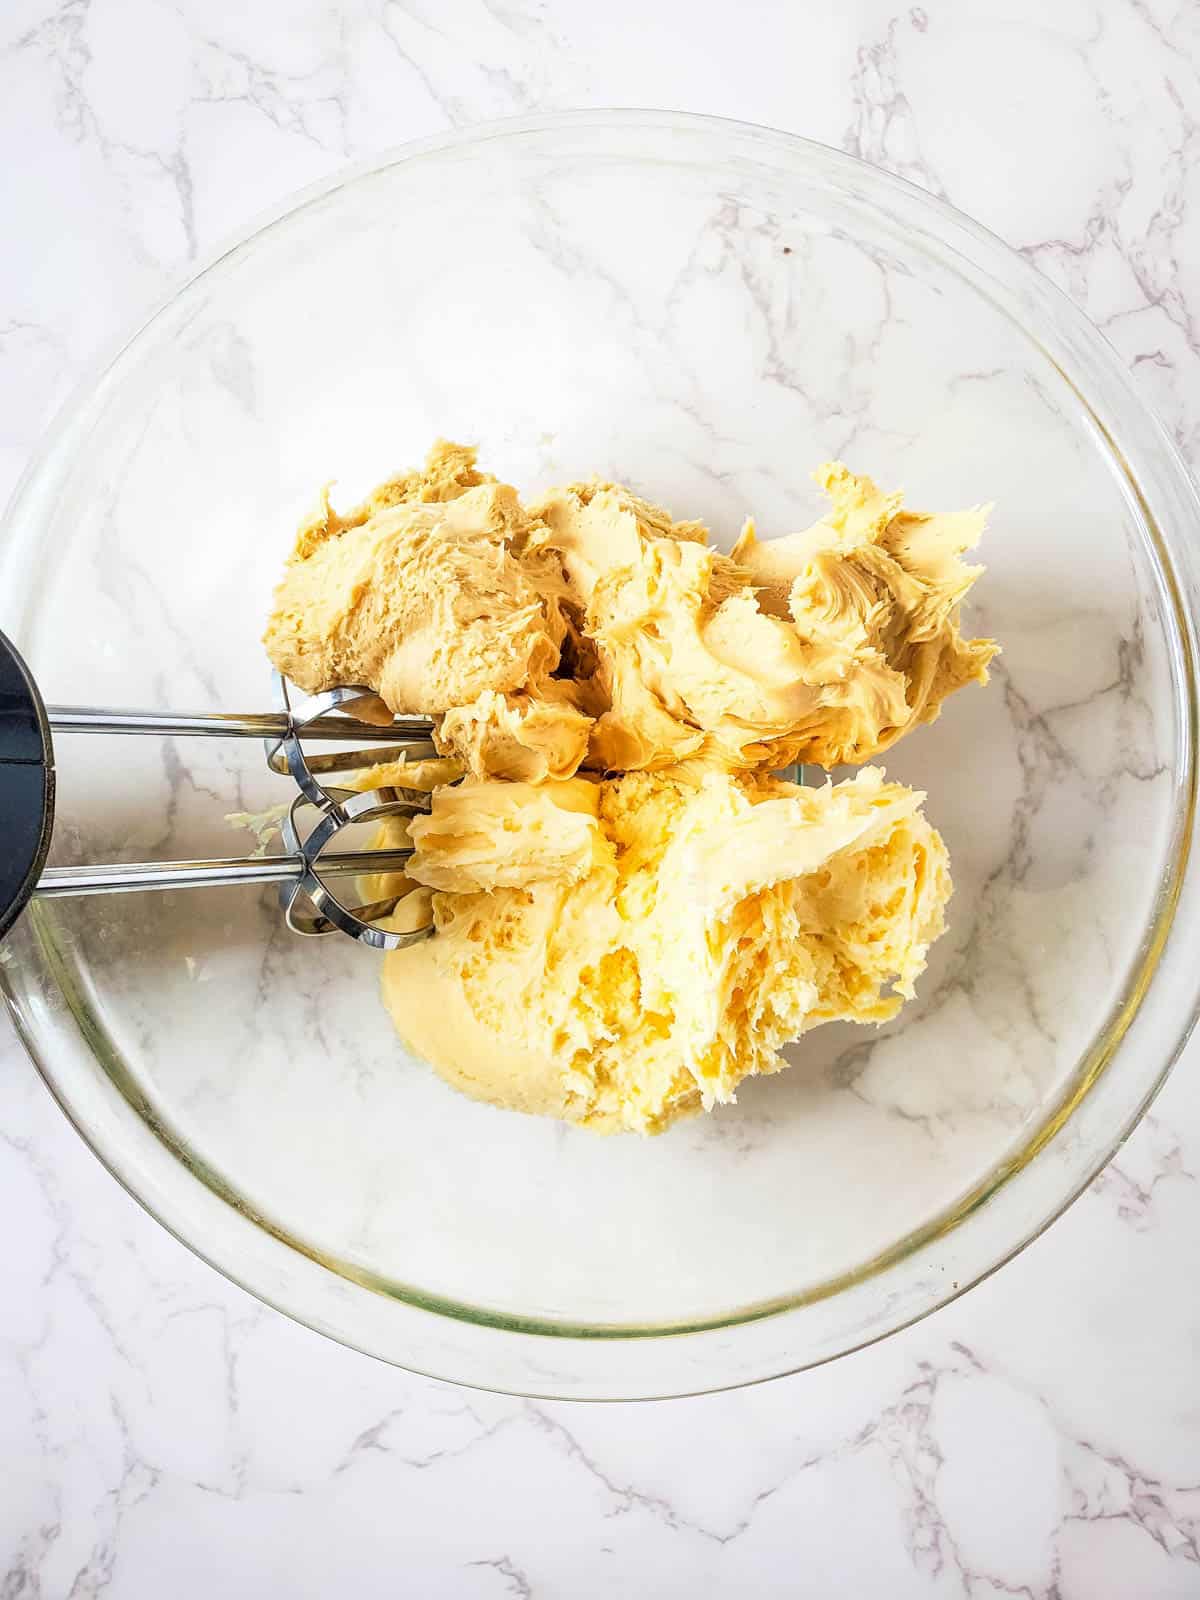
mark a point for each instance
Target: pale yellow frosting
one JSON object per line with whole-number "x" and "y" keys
{"x": 428, "y": 605}
{"x": 591, "y": 630}
{"x": 622, "y": 952}
{"x": 632, "y": 914}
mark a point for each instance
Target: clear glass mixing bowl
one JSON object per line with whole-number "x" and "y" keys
{"x": 705, "y": 311}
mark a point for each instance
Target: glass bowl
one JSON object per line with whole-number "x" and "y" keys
{"x": 703, "y": 310}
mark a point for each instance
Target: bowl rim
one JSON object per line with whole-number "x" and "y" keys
{"x": 1001, "y": 259}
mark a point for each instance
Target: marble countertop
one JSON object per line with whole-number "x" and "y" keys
{"x": 161, "y": 1431}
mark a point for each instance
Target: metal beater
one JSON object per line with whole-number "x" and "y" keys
{"x": 27, "y": 785}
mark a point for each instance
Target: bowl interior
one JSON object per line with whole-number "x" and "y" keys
{"x": 707, "y": 326}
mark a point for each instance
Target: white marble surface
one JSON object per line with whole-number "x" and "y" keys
{"x": 163, "y": 1433}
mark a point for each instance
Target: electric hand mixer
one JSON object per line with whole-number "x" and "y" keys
{"x": 27, "y": 787}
